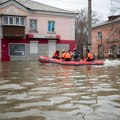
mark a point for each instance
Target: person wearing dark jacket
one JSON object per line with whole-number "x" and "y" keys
{"x": 76, "y": 55}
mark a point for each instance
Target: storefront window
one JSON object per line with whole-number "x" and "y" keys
{"x": 17, "y": 49}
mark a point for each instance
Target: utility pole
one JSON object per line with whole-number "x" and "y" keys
{"x": 89, "y": 26}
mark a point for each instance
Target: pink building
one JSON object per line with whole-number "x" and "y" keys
{"x": 106, "y": 38}
{"x": 29, "y": 29}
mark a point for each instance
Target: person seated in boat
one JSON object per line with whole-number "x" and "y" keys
{"x": 63, "y": 54}
{"x": 67, "y": 56}
{"x": 76, "y": 55}
{"x": 89, "y": 56}
{"x": 56, "y": 55}
{"x": 71, "y": 54}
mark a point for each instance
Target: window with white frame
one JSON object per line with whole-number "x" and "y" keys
{"x": 110, "y": 51}
{"x": 22, "y": 20}
{"x": 13, "y": 20}
{"x": 33, "y": 25}
{"x": 51, "y": 26}
{"x": 6, "y": 20}
{"x": 17, "y": 21}
{"x": 99, "y": 35}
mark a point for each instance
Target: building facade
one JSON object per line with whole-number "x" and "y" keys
{"x": 106, "y": 38}
{"x": 29, "y": 29}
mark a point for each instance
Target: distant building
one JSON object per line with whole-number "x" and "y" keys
{"x": 106, "y": 38}
{"x": 29, "y": 29}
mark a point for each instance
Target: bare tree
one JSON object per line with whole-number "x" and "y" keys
{"x": 81, "y": 29}
{"x": 115, "y": 7}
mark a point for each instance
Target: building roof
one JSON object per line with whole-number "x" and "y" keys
{"x": 36, "y": 6}
{"x": 109, "y": 21}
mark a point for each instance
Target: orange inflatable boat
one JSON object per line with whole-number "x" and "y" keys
{"x": 45, "y": 59}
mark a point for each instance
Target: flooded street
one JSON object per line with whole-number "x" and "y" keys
{"x": 30, "y": 90}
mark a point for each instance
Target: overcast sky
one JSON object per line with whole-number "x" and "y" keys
{"x": 102, "y": 7}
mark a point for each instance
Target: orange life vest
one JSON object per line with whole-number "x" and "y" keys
{"x": 55, "y": 55}
{"x": 67, "y": 55}
{"x": 90, "y": 55}
{"x": 63, "y": 55}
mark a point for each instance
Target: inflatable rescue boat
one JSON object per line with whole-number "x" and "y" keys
{"x": 45, "y": 59}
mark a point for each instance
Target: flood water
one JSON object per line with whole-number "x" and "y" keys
{"x": 30, "y": 90}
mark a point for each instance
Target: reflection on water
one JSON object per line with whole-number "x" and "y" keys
{"x": 35, "y": 91}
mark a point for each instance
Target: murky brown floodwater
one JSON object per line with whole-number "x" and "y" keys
{"x": 35, "y": 91}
